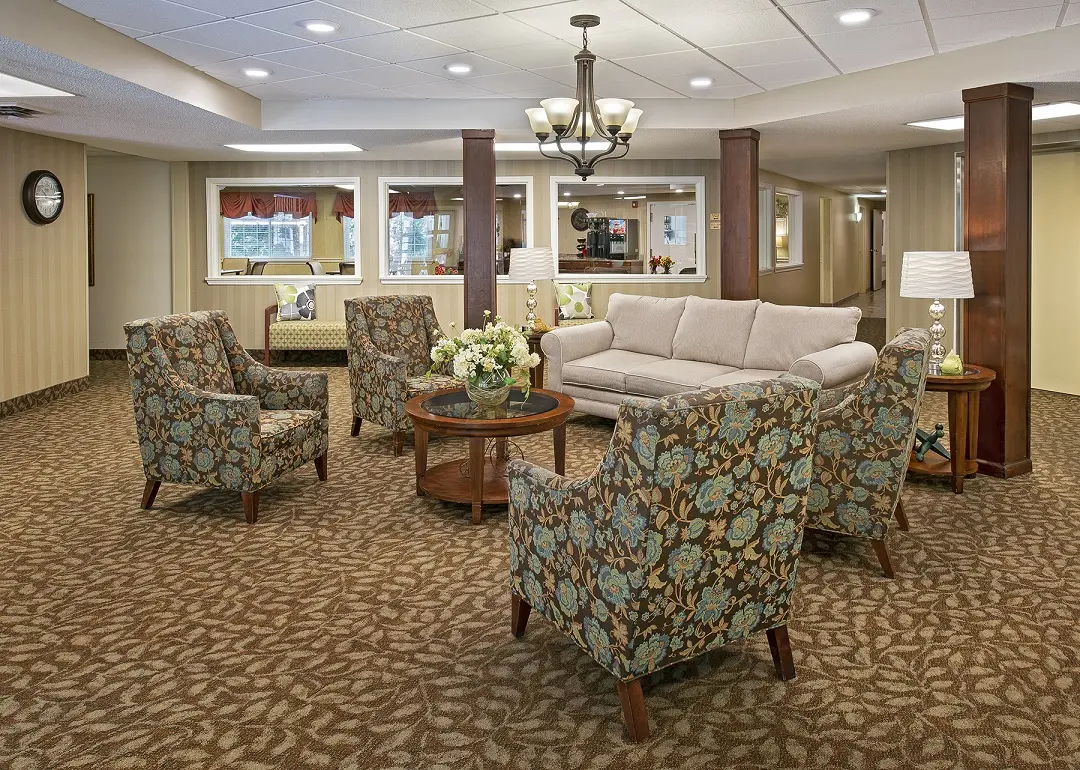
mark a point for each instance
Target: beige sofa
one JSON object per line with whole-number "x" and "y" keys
{"x": 653, "y": 347}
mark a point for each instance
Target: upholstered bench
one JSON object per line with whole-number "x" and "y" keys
{"x": 301, "y": 335}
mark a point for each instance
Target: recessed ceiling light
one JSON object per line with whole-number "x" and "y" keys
{"x": 633, "y": 197}
{"x": 319, "y": 27}
{"x": 517, "y": 195}
{"x": 1038, "y": 112}
{"x": 620, "y": 192}
{"x": 599, "y": 184}
{"x": 883, "y": 191}
{"x": 566, "y": 195}
{"x": 941, "y": 124}
{"x": 700, "y": 82}
{"x": 11, "y": 86}
{"x": 256, "y": 72}
{"x": 286, "y": 148}
{"x": 680, "y": 190}
{"x": 457, "y": 199}
{"x": 856, "y": 16}
{"x": 458, "y": 69}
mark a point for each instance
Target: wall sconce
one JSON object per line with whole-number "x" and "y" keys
{"x": 858, "y": 215}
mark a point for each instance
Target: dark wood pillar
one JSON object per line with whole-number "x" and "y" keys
{"x": 997, "y": 233}
{"x": 478, "y": 178}
{"x": 739, "y": 213}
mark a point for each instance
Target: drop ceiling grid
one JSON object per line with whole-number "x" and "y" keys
{"x": 524, "y": 48}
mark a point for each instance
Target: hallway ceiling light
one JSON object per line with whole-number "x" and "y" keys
{"x": 856, "y": 16}
{"x": 458, "y": 69}
{"x": 13, "y": 87}
{"x": 575, "y": 121}
{"x": 1038, "y": 112}
{"x": 517, "y": 195}
{"x": 883, "y": 191}
{"x": 257, "y": 72}
{"x": 319, "y": 27}
{"x": 287, "y": 148}
{"x": 700, "y": 82}
{"x": 634, "y": 197}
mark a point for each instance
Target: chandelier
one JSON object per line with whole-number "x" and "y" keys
{"x": 584, "y": 130}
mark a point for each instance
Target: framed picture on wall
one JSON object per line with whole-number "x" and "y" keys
{"x": 90, "y": 239}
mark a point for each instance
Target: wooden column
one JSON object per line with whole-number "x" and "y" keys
{"x": 739, "y": 213}
{"x": 997, "y": 232}
{"x": 478, "y": 178}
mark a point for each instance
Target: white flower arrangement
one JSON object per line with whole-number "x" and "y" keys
{"x": 485, "y": 357}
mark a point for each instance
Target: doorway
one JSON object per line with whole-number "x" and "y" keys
{"x": 673, "y": 233}
{"x": 878, "y": 269}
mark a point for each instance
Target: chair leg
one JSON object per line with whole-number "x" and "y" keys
{"x": 356, "y": 422}
{"x": 519, "y": 615}
{"x": 399, "y": 443}
{"x": 320, "y": 467}
{"x": 251, "y": 506}
{"x": 633, "y": 710}
{"x": 882, "y": 552}
{"x": 149, "y": 493}
{"x": 901, "y": 517}
{"x": 780, "y": 647}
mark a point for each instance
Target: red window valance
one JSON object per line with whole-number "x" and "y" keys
{"x": 344, "y": 205}
{"x": 266, "y": 204}
{"x": 419, "y": 203}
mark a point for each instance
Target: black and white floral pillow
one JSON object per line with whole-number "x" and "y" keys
{"x": 296, "y": 302}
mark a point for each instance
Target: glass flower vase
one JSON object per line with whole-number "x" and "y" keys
{"x": 489, "y": 392}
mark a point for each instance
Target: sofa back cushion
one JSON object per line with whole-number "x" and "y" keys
{"x": 782, "y": 334}
{"x": 714, "y": 330}
{"x": 396, "y": 327}
{"x": 644, "y": 324}
{"x": 191, "y": 345}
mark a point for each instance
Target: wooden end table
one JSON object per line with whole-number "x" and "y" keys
{"x": 536, "y": 374}
{"x": 965, "y": 391}
{"x": 481, "y": 479}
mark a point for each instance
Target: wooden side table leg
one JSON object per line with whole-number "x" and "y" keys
{"x": 537, "y": 374}
{"x": 560, "y": 449}
{"x": 958, "y": 437}
{"x": 420, "y": 437}
{"x": 974, "y": 399}
{"x": 476, "y": 476}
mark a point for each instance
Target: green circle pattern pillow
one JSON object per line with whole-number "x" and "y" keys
{"x": 575, "y": 300}
{"x": 295, "y": 302}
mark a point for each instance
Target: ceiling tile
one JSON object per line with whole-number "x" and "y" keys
{"x": 272, "y": 91}
{"x": 516, "y": 5}
{"x": 637, "y": 42}
{"x": 449, "y": 90}
{"x": 396, "y": 47}
{"x": 941, "y": 9}
{"x": 129, "y": 31}
{"x": 234, "y": 8}
{"x": 855, "y": 42}
{"x": 1072, "y": 16}
{"x": 724, "y": 92}
{"x": 766, "y": 52}
{"x": 322, "y": 59}
{"x": 149, "y": 15}
{"x": 986, "y": 27}
{"x": 390, "y": 76}
{"x": 288, "y": 20}
{"x": 614, "y": 15}
{"x": 675, "y": 70}
{"x": 655, "y": 8}
{"x": 518, "y": 84}
{"x": 874, "y": 59}
{"x": 615, "y": 82}
{"x": 566, "y": 73}
{"x": 820, "y": 17}
{"x": 720, "y": 23}
{"x": 788, "y": 73}
{"x": 414, "y": 13}
{"x": 548, "y": 54}
{"x": 480, "y": 65}
{"x": 329, "y": 86}
{"x": 232, "y": 71}
{"x": 471, "y": 34}
{"x": 189, "y": 53}
{"x": 236, "y": 35}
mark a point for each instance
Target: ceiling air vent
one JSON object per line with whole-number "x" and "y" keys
{"x": 18, "y": 112}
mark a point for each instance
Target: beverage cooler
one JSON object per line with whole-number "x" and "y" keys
{"x": 612, "y": 238}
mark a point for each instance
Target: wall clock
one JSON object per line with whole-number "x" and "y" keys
{"x": 43, "y": 197}
{"x": 579, "y": 219}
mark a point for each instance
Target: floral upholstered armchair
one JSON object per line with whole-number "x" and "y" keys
{"x": 864, "y": 439}
{"x": 390, "y": 340}
{"x": 206, "y": 412}
{"x": 685, "y": 538}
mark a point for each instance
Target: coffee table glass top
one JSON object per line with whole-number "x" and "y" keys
{"x": 456, "y": 403}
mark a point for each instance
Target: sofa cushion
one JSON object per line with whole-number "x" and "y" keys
{"x": 192, "y": 344}
{"x": 606, "y": 369}
{"x": 739, "y": 376}
{"x": 644, "y": 324}
{"x": 662, "y": 378}
{"x": 714, "y": 330}
{"x": 782, "y": 334}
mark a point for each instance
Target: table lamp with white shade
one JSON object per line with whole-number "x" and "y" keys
{"x": 936, "y": 275}
{"x": 531, "y": 265}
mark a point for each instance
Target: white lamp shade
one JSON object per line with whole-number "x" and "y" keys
{"x": 613, "y": 112}
{"x": 538, "y": 120}
{"x": 630, "y": 125}
{"x": 936, "y": 275}
{"x": 559, "y": 110}
{"x": 531, "y": 264}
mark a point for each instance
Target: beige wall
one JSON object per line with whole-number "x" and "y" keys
{"x": 1055, "y": 272}
{"x": 43, "y": 315}
{"x": 133, "y": 244}
{"x": 245, "y": 304}
{"x": 921, "y": 218}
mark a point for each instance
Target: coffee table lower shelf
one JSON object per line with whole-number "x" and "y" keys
{"x": 452, "y": 482}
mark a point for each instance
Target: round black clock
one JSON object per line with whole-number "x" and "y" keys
{"x": 579, "y": 219}
{"x": 43, "y": 197}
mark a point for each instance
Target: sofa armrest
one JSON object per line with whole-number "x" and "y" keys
{"x": 571, "y": 343}
{"x": 838, "y": 365}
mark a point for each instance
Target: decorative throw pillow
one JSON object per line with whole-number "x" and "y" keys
{"x": 295, "y": 302}
{"x": 575, "y": 300}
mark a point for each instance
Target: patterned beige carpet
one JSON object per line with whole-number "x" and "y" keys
{"x": 357, "y": 626}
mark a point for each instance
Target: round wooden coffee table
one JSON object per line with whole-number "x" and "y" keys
{"x": 481, "y": 478}
{"x": 964, "y": 392}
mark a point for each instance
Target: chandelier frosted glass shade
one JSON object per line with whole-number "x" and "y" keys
{"x": 564, "y": 126}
